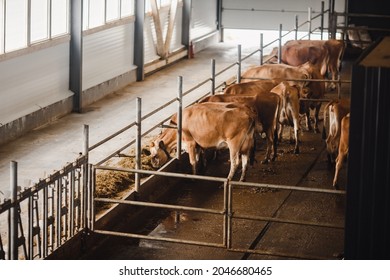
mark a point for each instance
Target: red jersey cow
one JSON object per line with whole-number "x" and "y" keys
{"x": 337, "y": 110}
{"x": 215, "y": 125}
{"x": 343, "y": 148}
{"x": 326, "y": 55}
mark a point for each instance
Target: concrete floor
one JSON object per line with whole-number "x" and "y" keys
{"x": 49, "y": 148}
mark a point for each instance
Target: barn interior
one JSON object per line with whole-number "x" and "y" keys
{"x": 96, "y": 71}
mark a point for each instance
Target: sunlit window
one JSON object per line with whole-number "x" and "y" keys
{"x": 99, "y": 12}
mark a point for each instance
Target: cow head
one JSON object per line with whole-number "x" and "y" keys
{"x": 159, "y": 154}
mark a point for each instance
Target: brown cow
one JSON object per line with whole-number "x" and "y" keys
{"x": 267, "y": 106}
{"x": 337, "y": 110}
{"x": 343, "y": 148}
{"x": 214, "y": 125}
{"x": 289, "y": 108}
{"x": 277, "y": 73}
{"x": 326, "y": 55}
{"x": 315, "y": 90}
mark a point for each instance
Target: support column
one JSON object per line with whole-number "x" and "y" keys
{"x": 139, "y": 38}
{"x": 76, "y": 53}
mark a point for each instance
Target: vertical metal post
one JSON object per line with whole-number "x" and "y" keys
{"x": 31, "y": 227}
{"x": 261, "y": 49}
{"x": 179, "y": 115}
{"x": 212, "y": 76}
{"x": 280, "y": 44}
{"x": 4, "y": 25}
{"x": 93, "y": 189}
{"x": 225, "y": 216}
{"x": 296, "y": 27}
{"x": 322, "y": 18}
{"x": 58, "y": 186}
{"x": 239, "y": 64}
{"x": 229, "y": 214}
{"x": 138, "y": 143}
{"x": 28, "y": 23}
{"x": 76, "y": 53}
{"x": 139, "y": 38}
{"x": 85, "y": 175}
{"x": 309, "y": 22}
{"x": 45, "y": 203}
{"x": 71, "y": 202}
{"x": 13, "y": 243}
{"x": 49, "y": 18}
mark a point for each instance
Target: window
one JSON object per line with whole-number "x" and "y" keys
{"x": 99, "y": 12}
{"x": 26, "y": 22}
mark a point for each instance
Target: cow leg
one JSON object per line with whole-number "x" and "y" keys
{"x": 234, "y": 160}
{"x": 308, "y": 122}
{"x": 339, "y": 162}
{"x": 192, "y": 153}
{"x": 296, "y": 135}
{"x": 317, "y": 118}
{"x": 244, "y": 159}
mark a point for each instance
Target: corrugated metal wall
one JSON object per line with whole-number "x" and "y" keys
{"x": 107, "y": 54}
{"x": 268, "y": 15}
{"x": 367, "y": 232}
{"x": 203, "y": 18}
{"x": 33, "y": 81}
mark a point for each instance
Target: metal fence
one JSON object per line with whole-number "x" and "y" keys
{"x": 38, "y": 220}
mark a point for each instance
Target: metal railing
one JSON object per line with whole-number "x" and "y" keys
{"x": 227, "y": 211}
{"x": 61, "y": 206}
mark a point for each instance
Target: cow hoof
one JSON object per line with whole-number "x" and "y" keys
{"x": 296, "y": 151}
{"x": 265, "y": 161}
{"x": 336, "y": 186}
{"x": 316, "y": 130}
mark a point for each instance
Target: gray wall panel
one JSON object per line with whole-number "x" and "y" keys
{"x": 108, "y": 54}
{"x": 33, "y": 81}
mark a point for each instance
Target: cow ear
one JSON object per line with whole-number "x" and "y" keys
{"x": 278, "y": 89}
{"x": 161, "y": 145}
{"x": 145, "y": 152}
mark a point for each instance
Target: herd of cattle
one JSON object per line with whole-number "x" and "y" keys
{"x": 268, "y": 97}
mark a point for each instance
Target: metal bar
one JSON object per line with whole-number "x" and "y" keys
{"x": 309, "y": 22}
{"x": 13, "y": 241}
{"x": 296, "y": 27}
{"x": 139, "y": 38}
{"x": 71, "y": 202}
{"x": 212, "y": 76}
{"x": 93, "y": 194}
{"x": 112, "y": 136}
{"x": 45, "y": 221}
{"x": 261, "y": 48}
{"x": 58, "y": 187}
{"x": 322, "y": 18}
{"x": 105, "y": 11}
{"x": 219, "y": 179}
{"x": 239, "y": 64}
{"x": 280, "y": 44}
{"x": 148, "y": 237}
{"x": 30, "y": 253}
{"x": 138, "y": 144}
{"x": 85, "y": 175}
{"x": 160, "y": 205}
{"x": 4, "y": 25}
{"x": 229, "y": 214}
{"x": 49, "y": 18}
{"x": 179, "y": 116}
{"x": 28, "y": 39}
{"x": 286, "y": 221}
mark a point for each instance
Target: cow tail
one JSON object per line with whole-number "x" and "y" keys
{"x": 325, "y": 117}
